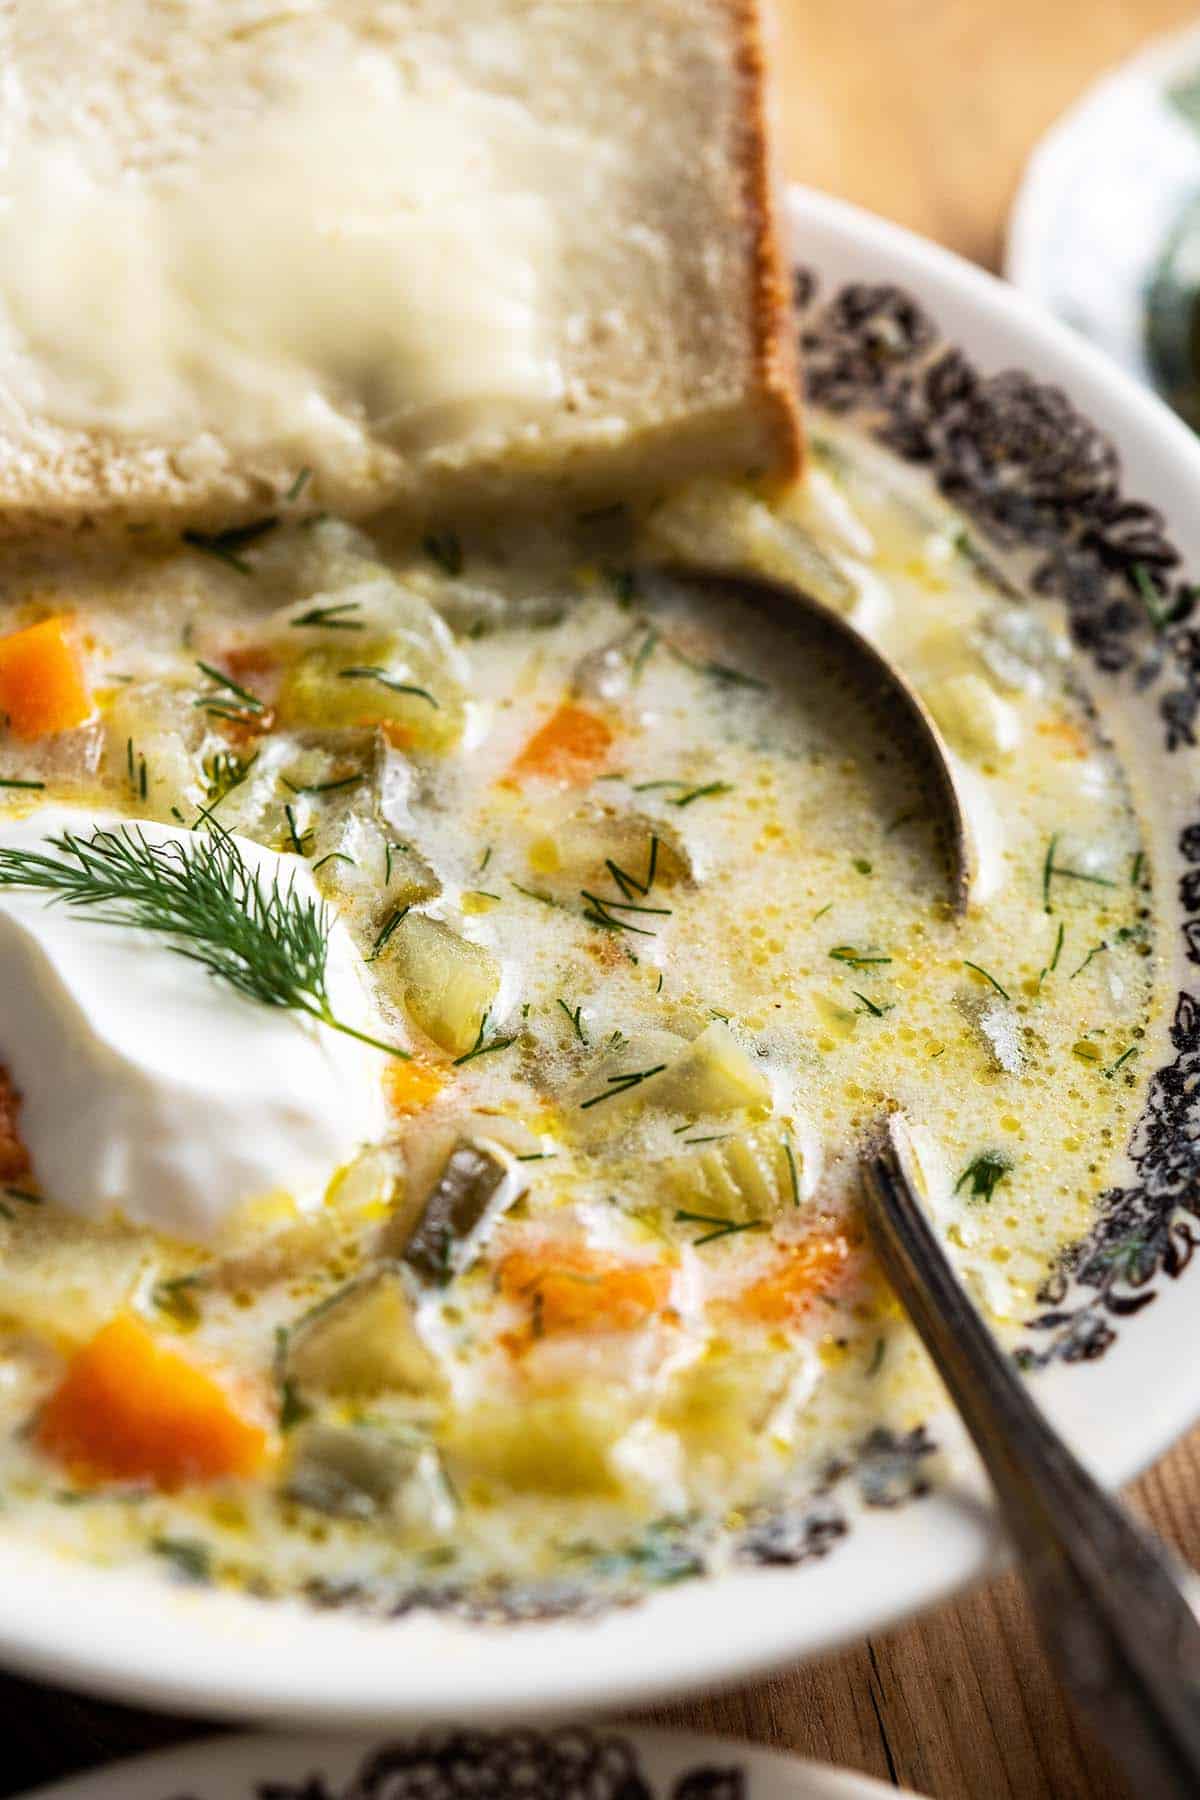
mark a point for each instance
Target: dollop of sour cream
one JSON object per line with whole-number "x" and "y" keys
{"x": 154, "y": 1091}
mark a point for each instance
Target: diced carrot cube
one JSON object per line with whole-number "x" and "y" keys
{"x": 576, "y": 1290}
{"x": 129, "y": 1409}
{"x": 571, "y": 747}
{"x": 806, "y": 1270}
{"x": 43, "y": 687}
{"x": 412, "y": 1086}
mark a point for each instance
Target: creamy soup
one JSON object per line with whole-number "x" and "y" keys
{"x": 444, "y": 990}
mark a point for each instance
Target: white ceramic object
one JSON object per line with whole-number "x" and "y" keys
{"x": 608, "y": 1763}
{"x": 141, "y": 1638}
{"x": 1102, "y": 194}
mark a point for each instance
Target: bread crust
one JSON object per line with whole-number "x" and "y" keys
{"x": 775, "y": 346}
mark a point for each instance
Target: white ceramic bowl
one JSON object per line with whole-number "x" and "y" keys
{"x": 146, "y": 1640}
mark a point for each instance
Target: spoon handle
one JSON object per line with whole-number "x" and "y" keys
{"x": 1114, "y": 1622}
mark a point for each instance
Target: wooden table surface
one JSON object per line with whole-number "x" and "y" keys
{"x": 923, "y": 110}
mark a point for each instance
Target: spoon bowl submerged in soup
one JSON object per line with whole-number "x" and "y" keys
{"x": 455, "y": 978}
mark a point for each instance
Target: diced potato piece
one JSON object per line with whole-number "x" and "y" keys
{"x": 153, "y": 737}
{"x": 448, "y": 983}
{"x": 363, "y": 1340}
{"x": 714, "y": 1075}
{"x": 331, "y": 687}
{"x": 974, "y": 717}
{"x": 720, "y": 1404}
{"x": 551, "y": 1444}
{"x": 718, "y": 525}
{"x": 745, "y": 1176}
{"x": 472, "y": 1190}
{"x": 348, "y": 1472}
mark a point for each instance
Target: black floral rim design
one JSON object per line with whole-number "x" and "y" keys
{"x": 575, "y": 1764}
{"x": 1033, "y": 475}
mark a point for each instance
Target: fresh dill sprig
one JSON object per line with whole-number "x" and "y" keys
{"x": 576, "y": 1018}
{"x": 227, "y": 546}
{"x": 721, "y": 1228}
{"x": 445, "y": 549}
{"x": 621, "y": 1084}
{"x": 331, "y": 618}
{"x": 262, "y": 939}
{"x": 482, "y": 1048}
{"x": 988, "y": 977}
{"x": 371, "y": 672}
{"x": 984, "y": 1174}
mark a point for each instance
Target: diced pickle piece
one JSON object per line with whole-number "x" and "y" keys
{"x": 349, "y": 1473}
{"x": 974, "y": 717}
{"x": 744, "y": 1176}
{"x": 375, "y": 686}
{"x": 363, "y": 1340}
{"x": 649, "y": 857}
{"x": 713, "y": 1075}
{"x": 448, "y": 983}
{"x": 472, "y": 1190}
{"x": 551, "y": 1444}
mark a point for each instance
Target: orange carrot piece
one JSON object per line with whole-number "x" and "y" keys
{"x": 808, "y": 1269}
{"x": 128, "y": 1409}
{"x": 412, "y": 1086}
{"x": 571, "y": 747}
{"x": 581, "y": 1290}
{"x": 42, "y": 684}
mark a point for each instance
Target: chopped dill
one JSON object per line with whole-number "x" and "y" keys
{"x": 1053, "y": 963}
{"x": 793, "y": 1172}
{"x": 480, "y": 1047}
{"x": 601, "y": 912}
{"x": 711, "y": 789}
{"x": 869, "y": 1005}
{"x": 645, "y": 651}
{"x": 542, "y": 899}
{"x": 712, "y": 1137}
{"x": 857, "y": 959}
{"x": 863, "y": 866}
{"x": 12, "y": 782}
{"x": 1120, "y": 1062}
{"x": 293, "y": 1408}
{"x": 1051, "y": 870}
{"x": 385, "y": 932}
{"x": 820, "y": 914}
{"x": 445, "y": 549}
{"x": 228, "y": 700}
{"x": 1096, "y": 950}
{"x": 187, "y": 1556}
{"x": 1161, "y": 610}
{"x": 389, "y": 849}
{"x": 989, "y": 978}
{"x": 301, "y": 841}
{"x": 135, "y": 770}
{"x": 298, "y": 486}
{"x": 224, "y": 772}
{"x": 332, "y": 618}
{"x": 630, "y": 884}
{"x": 484, "y": 860}
{"x": 324, "y": 787}
{"x": 877, "y": 1356}
{"x": 334, "y": 856}
{"x": 621, "y": 1084}
{"x": 371, "y": 672}
{"x": 623, "y": 583}
{"x": 900, "y": 819}
{"x": 227, "y": 546}
{"x": 575, "y": 1018}
{"x": 24, "y": 1196}
{"x": 983, "y": 1176}
{"x": 176, "y": 1299}
{"x": 1135, "y": 872}
{"x": 536, "y": 1156}
{"x": 721, "y": 1228}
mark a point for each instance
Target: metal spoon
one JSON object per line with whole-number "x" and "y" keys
{"x": 1114, "y": 1622}
{"x": 902, "y": 712}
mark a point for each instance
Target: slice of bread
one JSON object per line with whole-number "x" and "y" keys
{"x": 443, "y": 255}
